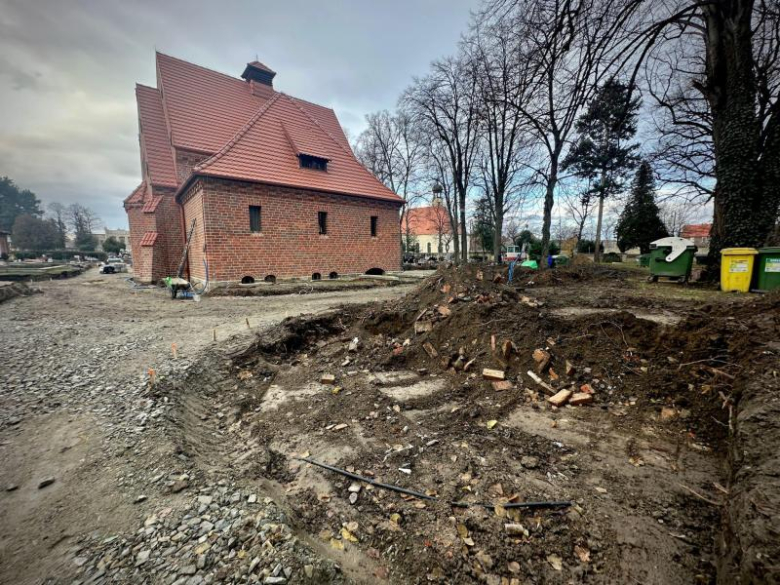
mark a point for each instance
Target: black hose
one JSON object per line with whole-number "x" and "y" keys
{"x": 422, "y": 496}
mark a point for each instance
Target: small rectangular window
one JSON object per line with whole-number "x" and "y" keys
{"x": 313, "y": 162}
{"x": 322, "y": 220}
{"x": 374, "y": 220}
{"x": 254, "y": 218}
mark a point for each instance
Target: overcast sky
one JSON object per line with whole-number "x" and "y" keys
{"x": 68, "y": 69}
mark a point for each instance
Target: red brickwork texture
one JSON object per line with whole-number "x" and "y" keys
{"x": 289, "y": 244}
{"x": 186, "y": 161}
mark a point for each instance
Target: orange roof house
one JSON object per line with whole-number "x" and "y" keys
{"x": 427, "y": 221}
{"x": 696, "y": 230}
{"x": 269, "y": 179}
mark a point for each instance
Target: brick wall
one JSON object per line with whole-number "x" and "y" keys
{"x": 193, "y": 209}
{"x": 185, "y": 161}
{"x": 170, "y": 242}
{"x": 289, "y": 244}
{"x": 151, "y": 263}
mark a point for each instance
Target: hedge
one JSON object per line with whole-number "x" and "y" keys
{"x": 58, "y": 254}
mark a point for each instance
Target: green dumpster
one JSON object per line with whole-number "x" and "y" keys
{"x": 644, "y": 260}
{"x": 561, "y": 260}
{"x": 766, "y": 275}
{"x": 671, "y": 258}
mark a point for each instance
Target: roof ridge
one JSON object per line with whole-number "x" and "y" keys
{"x": 238, "y": 135}
{"x": 238, "y": 79}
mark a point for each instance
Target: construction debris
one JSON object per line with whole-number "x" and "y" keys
{"x": 581, "y": 398}
{"x": 547, "y": 388}
{"x": 490, "y": 374}
{"x": 560, "y": 398}
{"x": 328, "y": 379}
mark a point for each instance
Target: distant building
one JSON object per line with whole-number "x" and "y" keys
{"x": 699, "y": 234}
{"x": 120, "y": 235}
{"x": 430, "y": 228}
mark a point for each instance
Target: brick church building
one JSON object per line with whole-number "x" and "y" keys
{"x": 270, "y": 180}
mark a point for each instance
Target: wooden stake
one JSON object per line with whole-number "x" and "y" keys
{"x": 214, "y": 334}
{"x": 247, "y": 323}
{"x": 174, "y": 352}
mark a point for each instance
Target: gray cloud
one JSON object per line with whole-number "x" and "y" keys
{"x": 68, "y": 122}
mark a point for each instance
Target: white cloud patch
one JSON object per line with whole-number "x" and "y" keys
{"x": 68, "y": 119}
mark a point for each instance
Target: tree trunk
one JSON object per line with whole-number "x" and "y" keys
{"x": 497, "y": 230}
{"x": 464, "y": 249}
{"x": 597, "y": 251}
{"x": 549, "y": 201}
{"x": 731, "y": 92}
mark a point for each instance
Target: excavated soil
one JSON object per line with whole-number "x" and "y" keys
{"x": 670, "y": 470}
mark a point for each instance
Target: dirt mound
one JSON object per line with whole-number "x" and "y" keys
{"x": 16, "y": 289}
{"x": 573, "y": 274}
{"x": 403, "y": 392}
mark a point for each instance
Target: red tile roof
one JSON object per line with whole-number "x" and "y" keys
{"x": 697, "y": 230}
{"x": 206, "y": 108}
{"x": 151, "y": 204}
{"x": 427, "y": 221}
{"x": 137, "y": 196}
{"x": 149, "y": 238}
{"x": 156, "y": 148}
{"x": 204, "y": 111}
{"x": 265, "y": 150}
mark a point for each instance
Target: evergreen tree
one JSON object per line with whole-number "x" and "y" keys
{"x": 112, "y": 246}
{"x": 640, "y": 223}
{"x": 483, "y": 226}
{"x": 601, "y": 155}
{"x": 15, "y": 202}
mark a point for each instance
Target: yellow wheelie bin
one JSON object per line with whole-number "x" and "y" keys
{"x": 736, "y": 268}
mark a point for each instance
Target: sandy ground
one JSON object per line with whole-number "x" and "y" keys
{"x": 70, "y": 357}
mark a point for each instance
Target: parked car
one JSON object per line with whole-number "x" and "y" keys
{"x": 112, "y": 266}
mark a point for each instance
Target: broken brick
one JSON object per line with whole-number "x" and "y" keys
{"x": 497, "y": 278}
{"x": 502, "y": 385}
{"x": 581, "y": 398}
{"x": 446, "y": 289}
{"x": 328, "y": 379}
{"x": 444, "y": 311}
{"x": 480, "y": 276}
{"x": 561, "y": 398}
{"x": 430, "y": 350}
{"x": 587, "y": 389}
{"x": 542, "y": 359}
{"x": 493, "y": 374}
{"x": 570, "y": 369}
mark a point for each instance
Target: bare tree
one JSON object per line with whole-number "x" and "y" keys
{"x": 675, "y": 214}
{"x": 445, "y": 104}
{"x": 571, "y": 47}
{"x": 501, "y": 82}
{"x": 731, "y": 83}
{"x": 389, "y": 149}
{"x": 58, "y": 213}
{"x": 82, "y": 221}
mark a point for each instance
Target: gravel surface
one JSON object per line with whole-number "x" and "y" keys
{"x": 100, "y": 481}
